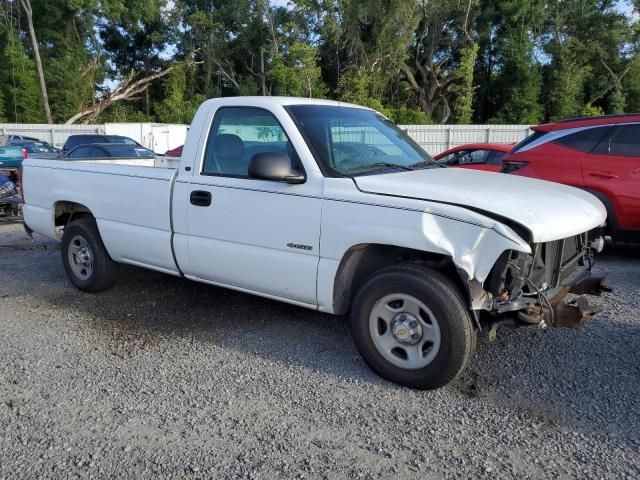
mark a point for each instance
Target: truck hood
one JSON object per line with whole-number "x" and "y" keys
{"x": 550, "y": 211}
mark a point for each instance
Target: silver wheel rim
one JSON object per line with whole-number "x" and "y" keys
{"x": 80, "y": 258}
{"x": 405, "y": 331}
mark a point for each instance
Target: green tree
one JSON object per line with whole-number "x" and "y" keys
{"x": 439, "y": 67}
{"x": 3, "y": 117}
{"x": 632, "y": 85}
{"x": 588, "y": 41}
{"x": 70, "y": 56}
{"x": 376, "y": 35}
{"x": 19, "y": 81}
{"x": 518, "y": 86}
{"x": 175, "y": 108}
{"x": 296, "y": 72}
{"x": 135, "y": 35}
{"x": 463, "y": 91}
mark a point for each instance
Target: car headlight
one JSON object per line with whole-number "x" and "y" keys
{"x": 7, "y": 189}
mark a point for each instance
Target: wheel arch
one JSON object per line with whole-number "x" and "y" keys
{"x": 361, "y": 261}
{"x": 64, "y": 211}
{"x": 612, "y": 218}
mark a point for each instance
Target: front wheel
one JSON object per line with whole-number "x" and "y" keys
{"x": 412, "y": 327}
{"x": 86, "y": 261}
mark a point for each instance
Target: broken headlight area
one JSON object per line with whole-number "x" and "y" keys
{"x": 532, "y": 287}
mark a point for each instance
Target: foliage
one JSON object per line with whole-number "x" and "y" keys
{"x": 409, "y": 116}
{"x": 175, "y": 108}
{"x": 18, "y": 82}
{"x": 632, "y": 86}
{"x": 463, "y": 91}
{"x": 125, "y": 113}
{"x": 296, "y": 72}
{"x": 416, "y": 61}
{"x": 3, "y": 117}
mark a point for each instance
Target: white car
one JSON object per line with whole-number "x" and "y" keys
{"x": 329, "y": 206}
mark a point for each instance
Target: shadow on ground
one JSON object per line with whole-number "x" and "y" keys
{"x": 552, "y": 377}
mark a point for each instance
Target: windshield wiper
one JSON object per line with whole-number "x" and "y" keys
{"x": 427, "y": 163}
{"x": 386, "y": 164}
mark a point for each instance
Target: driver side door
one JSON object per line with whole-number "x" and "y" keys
{"x": 250, "y": 234}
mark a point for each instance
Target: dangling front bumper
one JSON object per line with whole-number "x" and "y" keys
{"x": 555, "y": 312}
{"x": 533, "y": 287}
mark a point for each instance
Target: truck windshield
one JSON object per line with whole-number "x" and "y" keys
{"x": 353, "y": 141}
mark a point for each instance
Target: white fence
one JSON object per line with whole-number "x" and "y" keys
{"x": 162, "y": 137}
{"x": 438, "y": 138}
{"x": 159, "y": 137}
{"x": 56, "y": 135}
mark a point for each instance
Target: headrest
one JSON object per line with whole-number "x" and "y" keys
{"x": 227, "y": 145}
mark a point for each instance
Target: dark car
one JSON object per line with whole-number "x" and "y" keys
{"x": 109, "y": 150}
{"x": 12, "y": 139}
{"x": 20, "y": 141}
{"x": 85, "y": 139}
{"x": 598, "y": 154}
{"x": 8, "y": 196}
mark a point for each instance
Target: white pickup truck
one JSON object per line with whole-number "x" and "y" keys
{"x": 329, "y": 206}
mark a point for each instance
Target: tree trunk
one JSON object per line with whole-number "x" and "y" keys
{"x": 262, "y": 75}
{"x": 147, "y": 94}
{"x": 26, "y": 5}
{"x": 128, "y": 90}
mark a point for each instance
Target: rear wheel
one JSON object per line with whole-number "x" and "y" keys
{"x": 412, "y": 327}
{"x": 85, "y": 259}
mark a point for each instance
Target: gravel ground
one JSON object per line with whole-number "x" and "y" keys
{"x": 161, "y": 376}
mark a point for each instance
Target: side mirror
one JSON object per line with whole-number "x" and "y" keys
{"x": 275, "y": 167}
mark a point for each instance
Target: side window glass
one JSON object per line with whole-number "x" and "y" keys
{"x": 97, "y": 152}
{"x": 237, "y": 134}
{"x": 625, "y": 140}
{"x": 584, "y": 140}
{"x": 79, "y": 152}
{"x": 474, "y": 157}
{"x": 495, "y": 158}
{"x": 451, "y": 159}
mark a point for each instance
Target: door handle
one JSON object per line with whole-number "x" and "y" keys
{"x": 603, "y": 175}
{"x": 200, "y": 198}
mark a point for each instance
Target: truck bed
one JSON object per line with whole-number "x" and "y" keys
{"x": 130, "y": 199}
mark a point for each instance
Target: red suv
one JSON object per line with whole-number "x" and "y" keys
{"x": 598, "y": 154}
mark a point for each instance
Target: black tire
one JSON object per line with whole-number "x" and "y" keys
{"x": 457, "y": 338}
{"x": 103, "y": 270}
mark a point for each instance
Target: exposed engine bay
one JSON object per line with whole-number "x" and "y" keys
{"x": 533, "y": 286}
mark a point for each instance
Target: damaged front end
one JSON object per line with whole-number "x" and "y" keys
{"x": 532, "y": 287}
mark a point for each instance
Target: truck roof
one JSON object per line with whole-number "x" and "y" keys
{"x": 265, "y": 101}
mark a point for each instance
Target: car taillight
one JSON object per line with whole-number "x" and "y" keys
{"x": 511, "y": 166}
{"x": 24, "y": 154}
